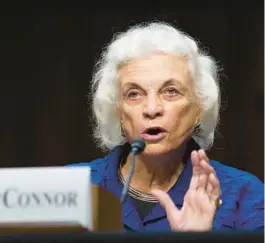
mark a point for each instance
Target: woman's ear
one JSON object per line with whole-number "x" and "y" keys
{"x": 198, "y": 113}
{"x": 120, "y": 118}
{"x": 197, "y": 125}
{"x": 197, "y": 119}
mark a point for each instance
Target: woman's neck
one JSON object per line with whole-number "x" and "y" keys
{"x": 160, "y": 172}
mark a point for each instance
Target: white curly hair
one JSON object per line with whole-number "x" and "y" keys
{"x": 143, "y": 39}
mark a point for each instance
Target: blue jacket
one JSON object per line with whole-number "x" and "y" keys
{"x": 242, "y": 196}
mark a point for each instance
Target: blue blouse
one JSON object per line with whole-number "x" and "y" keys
{"x": 242, "y": 196}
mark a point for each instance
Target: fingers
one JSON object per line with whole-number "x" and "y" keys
{"x": 200, "y": 170}
{"x": 203, "y": 177}
{"x": 206, "y": 167}
{"x": 215, "y": 190}
{"x": 200, "y": 163}
{"x": 165, "y": 201}
{"x": 209, "y": 188}
{"x": 202, "y": 181}
{"x": 202, "y": 155}
{"x": 195, "y": 160}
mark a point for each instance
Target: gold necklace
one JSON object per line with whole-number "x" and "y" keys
{"x": 141, "y": 195}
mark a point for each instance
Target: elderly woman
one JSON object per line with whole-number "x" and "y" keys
{"x": 153, "y": 82}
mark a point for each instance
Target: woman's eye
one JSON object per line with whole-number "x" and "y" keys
{"x": 171, "y": 92}
{"x": 133, "y": 95}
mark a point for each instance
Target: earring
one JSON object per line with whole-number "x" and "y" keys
{"x": 197, "y": 127}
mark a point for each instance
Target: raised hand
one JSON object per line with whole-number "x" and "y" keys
{"x": 200, "y": 201}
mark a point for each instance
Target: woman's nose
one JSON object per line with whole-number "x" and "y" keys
{"x": 153, "y": 108}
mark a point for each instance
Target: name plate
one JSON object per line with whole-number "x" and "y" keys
{"x": 46, "y": 195}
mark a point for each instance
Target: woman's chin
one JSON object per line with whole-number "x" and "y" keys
{"x": 156, "y": 149}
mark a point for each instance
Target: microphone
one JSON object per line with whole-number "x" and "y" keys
{"x": 138, "y": 146}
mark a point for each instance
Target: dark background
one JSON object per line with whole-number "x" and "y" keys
{"x": 47, "y": 54}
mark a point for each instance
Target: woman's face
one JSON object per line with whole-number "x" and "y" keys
{"x": 157, "y": 102}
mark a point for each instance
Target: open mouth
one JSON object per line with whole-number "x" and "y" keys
{"x": 154, "y": 131}
{"x": 153, "y": 134}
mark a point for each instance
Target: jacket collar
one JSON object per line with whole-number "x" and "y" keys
{"x": 111, "y": 183}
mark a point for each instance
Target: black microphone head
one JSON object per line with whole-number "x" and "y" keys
{"x": 138, "y": 145}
